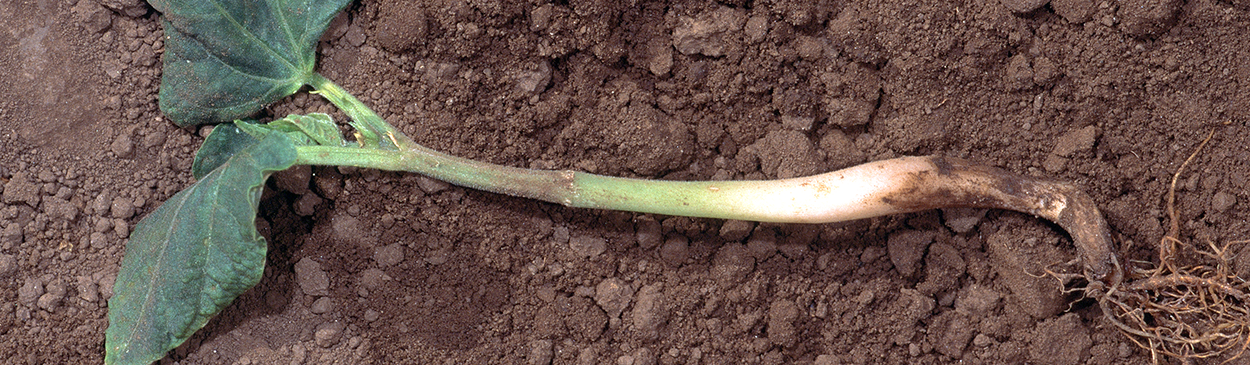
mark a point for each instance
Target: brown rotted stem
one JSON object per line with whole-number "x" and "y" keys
{"x": 955, "y": 182}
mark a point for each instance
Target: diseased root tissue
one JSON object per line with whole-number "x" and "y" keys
{"x": 1191, "y": 305}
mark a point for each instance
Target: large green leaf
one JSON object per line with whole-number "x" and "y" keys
{"x": 191, "y": 257}
{"x": 227, "y": 59}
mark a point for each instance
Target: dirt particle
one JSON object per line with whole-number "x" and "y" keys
{"x": 827, "y": 359}
{"x": 906, "y": 248}
{"x": 373, "y": 278}
{"x": 346, "y": 227}
{"x": 839, "y": 150}
{"x": 943, "y": 267}
{"x": 123, "y": 146}
{"x": 915, "y": 306}
{"x": 294, "y": 179}
{"x": 322, "y": 305}
{"x": 130, "y": 8}
{"x": 653, "y": 141}
{"x": 1146, "y": 18}
{"x": 613, "y": 295}
{"x": 535, "y": 80}
{"x": 650, "y": 311}
{"x": 762, "y": 244}
{"x": 30, "y": 291}
{"x": 950, "y": 333}
{"x": 977, "y": 299}
{"x": 329, "y": 183}
{"x": 11, "y": 236}
{"x": 787, "y": 153}
{"x": 431, "y": 185}
{"x": 311, "y": 278}
{"x": 51, "y": 299}
{"x": 755, "y": 29}
{"x": 798, "y": 123}
{"x": 1223, "y": 201}
{"x": 355, "y": 35}
{"x": 122, "y": 208}
{"x": 1074, "y": 11}
{"x": 389, "y": 255}
{"x": 328, "y": 334}
{"x": 8, "y": 265}
{"x": 587, "y": 246}
{"x": 1063, "y": 340}
{"x": 307, "y": 204}
{"x": 732, "y": 263}
{"x": 87, "y": 288}
{"x": 1023, "y": 6}
{"x": 540, "y": 352}
{"x": 1013, "y": 260}
{"x": 20, "y": 189}
{"x": 711, "y": 34}
{"x": 781, "y": 316}
{"x": 735, "y": 230}
{"x": 659, "y": 57}
{"x": 648, "y": 232}
{"x": 1019, "y": 75}
{"x": 962, "y": 220}
{"x": 871, "y": 254}
{"x": 1079, "y": 140}
{"x": 675, "y": 250}
{"x": 401, "y": 25}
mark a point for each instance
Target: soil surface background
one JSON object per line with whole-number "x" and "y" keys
{"x": 369, "y": 267}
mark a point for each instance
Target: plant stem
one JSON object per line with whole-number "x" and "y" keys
{"x": 900, "y": 185}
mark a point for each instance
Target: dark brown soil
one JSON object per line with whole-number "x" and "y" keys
{"x": 371, "y": 267}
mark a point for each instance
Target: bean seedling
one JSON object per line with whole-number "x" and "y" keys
{"x": 227, "y": 60}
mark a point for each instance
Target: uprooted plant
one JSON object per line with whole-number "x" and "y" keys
{"x": 225, "y": 60}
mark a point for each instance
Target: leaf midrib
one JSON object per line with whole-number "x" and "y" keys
{"x": 252, "y": 37}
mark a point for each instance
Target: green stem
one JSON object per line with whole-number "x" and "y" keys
{"x": 570, "y": 188}
{"x": 575, "y": 189}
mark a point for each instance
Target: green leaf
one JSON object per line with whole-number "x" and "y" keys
{"x": 191, "y": 257}
{"x": 227, "y": 59}
{"x": 319, "y": 126}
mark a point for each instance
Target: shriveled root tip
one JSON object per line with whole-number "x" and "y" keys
{"x": 1198, "y": 312}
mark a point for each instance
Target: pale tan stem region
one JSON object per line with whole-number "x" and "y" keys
{"x": 900, "y": 185}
